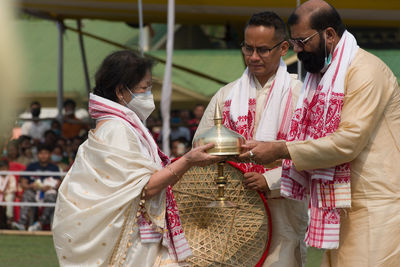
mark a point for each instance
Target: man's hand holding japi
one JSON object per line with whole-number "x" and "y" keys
{"x": 264, "y": 153}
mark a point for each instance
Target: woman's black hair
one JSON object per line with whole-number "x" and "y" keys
{"x": 121, "y": 68}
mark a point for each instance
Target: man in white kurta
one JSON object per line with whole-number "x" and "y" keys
{"x": 289, "y": 217}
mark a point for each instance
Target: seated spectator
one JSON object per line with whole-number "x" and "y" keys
{"x": 36, "y": 127}
{"x": 154, "y": 126}
{"x": 72, "y": 126}
{"x": 57, "y": 158}
{"x": 16, "y": 166}
{"x": 178, "y": 130}
{"x": 50, "y": 138}
{"x": 39, "y": 188}
{"x": 198, "y": 112}
{"x": 56, "y": 127}
{"x": 25, "y": 150}
{"x": 178, "y": 148}
{"x": 64, "y": 143}
{"x": 185, "y": 117}
{"x": 8, "y": 187}
{"x": 12, "y": 151}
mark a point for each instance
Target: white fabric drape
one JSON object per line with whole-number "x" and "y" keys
{"x": 276, "y": 108}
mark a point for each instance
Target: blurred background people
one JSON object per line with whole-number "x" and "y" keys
{"x": 50, "y": 138}
{"x": 12, "y": 152}
{"x": 56, "y": 127}
{"x": 26, "y": 155}
{"x": 72, "y": 126}
{"x": 58, "y": 158}
{"x": 36, "y": 127}
{"x": 178, "y": 148}
{"x": 198, "y": 112}
{"x": 8, "y": 188}
{"x": 38, "y": 188}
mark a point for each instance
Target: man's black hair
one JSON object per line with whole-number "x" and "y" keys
{"x": 269, "y": 19}
{"x": 69, "y": 102}
{"x": 35, "y": 103}
{"x": 41, "y": 147}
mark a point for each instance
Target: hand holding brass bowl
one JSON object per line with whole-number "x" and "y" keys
{"x": 227, "y": 143}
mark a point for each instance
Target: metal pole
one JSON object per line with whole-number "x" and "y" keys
{"x": 299, "y": 65}
{"x": 60, "y": 27}
{"x": 166, "y": 92}
{"x": 141, "y": 37}
{"x": 158, "y": 59}
{"x": 83, "y": 53}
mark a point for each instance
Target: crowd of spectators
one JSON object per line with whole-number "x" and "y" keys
{"x": 49, "y": 145}
{"x": 43, "y": 145}
{"x": 183, "y": 127}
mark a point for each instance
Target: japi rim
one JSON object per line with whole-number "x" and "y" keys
{"x": 239, "y": 236}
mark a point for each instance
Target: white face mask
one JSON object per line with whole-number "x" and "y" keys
{"x": 142, "y": 104}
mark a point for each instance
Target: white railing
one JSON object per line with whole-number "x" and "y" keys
{"x": 32, "y": 173}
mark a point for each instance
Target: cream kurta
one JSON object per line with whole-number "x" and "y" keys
{"x": 95, "y": 220}
{"x": 369, "y": 138}
{"x": 289, "y": 217}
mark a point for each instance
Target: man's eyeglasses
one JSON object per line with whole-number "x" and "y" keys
{"x": 262, "y": 51}
{"x": 302, "y": 42}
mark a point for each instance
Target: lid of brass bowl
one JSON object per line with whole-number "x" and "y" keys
{"x": 227, "y": 142}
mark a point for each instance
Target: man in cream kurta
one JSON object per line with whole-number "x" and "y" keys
{"x": 289, "y": 217}
{"x": 368, "y": 137}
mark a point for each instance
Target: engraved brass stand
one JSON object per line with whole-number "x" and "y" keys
{"x": 227, "y": 143}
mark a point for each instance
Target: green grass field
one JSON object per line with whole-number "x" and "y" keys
{"x": 38, "y": 251}
{"x": 29, "y": 251}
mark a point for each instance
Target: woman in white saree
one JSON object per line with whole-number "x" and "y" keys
{"x": 115, "y": 206}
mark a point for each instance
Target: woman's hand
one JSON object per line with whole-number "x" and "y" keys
{"x": 173, "y": 172}
{"x": 199, "y": 157}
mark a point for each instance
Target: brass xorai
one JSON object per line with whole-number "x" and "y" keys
{"x": 227, "y": 143}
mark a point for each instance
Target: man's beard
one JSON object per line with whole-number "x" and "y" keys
{"x": 313, "y": 61}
